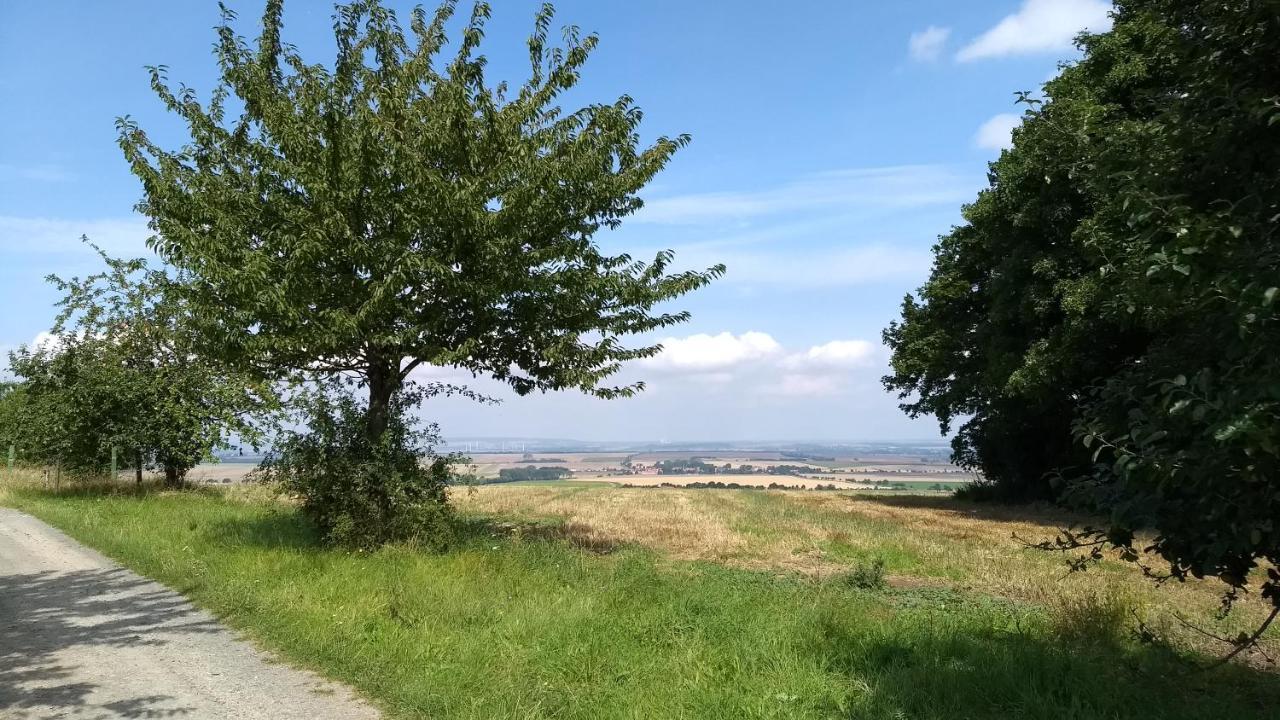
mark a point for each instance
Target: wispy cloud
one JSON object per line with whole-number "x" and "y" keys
{"x": 896, "y": 187}
{"x": 43, "y": 172}
{"x": 1038, "y": 26}
{"x": 927, "y": 45}
{"x": 814, "y": 267}
{"x": 57, "y": 235}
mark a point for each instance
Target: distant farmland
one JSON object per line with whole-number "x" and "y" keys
{"x": 745, "y": 468}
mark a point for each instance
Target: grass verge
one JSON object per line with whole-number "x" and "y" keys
{"x": 516, "y": 622}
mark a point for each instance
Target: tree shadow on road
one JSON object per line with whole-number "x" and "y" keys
{"x": 47, "y": 619}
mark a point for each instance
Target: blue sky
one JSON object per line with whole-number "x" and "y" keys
{"x": 832, "y": 143}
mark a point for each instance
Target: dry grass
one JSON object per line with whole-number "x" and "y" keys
{"x": 677, "y": 525}
{"x": 924, "y": 541}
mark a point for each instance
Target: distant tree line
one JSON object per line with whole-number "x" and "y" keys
{"x": 521, "y": 474}
{"x": 696, "y": 466}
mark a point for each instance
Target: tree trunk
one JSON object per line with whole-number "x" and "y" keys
{"x": 384, "y": 380}
{"x": 137, "y": 468}
{"x": 172, "y": 476}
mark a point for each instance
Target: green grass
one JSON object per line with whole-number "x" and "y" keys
{"x": 521, "y": 626}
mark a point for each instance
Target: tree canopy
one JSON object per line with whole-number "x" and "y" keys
{"x": 396, "y": 208}
{"x": 120, "y": 371}
{"x": 1105, "y": 322}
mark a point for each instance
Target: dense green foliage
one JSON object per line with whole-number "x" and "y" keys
{"x": 697, "y": 466}
{"x": 11, "y": 402}
{"x": 532, "y": 473}
{"x": 393, "y": 210}
{"x": 361, "y": 493}
{"x": 1106, "y": 318}
{"x": 511, "y": 624}
{"x": 120, "y": 371}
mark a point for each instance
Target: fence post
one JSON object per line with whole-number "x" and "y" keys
{"x": 114, "y": 454}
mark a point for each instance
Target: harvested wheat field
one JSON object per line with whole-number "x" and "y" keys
{"x": 923, "y": 541}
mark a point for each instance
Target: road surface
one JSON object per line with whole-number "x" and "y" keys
{"x": 83, "y": 638}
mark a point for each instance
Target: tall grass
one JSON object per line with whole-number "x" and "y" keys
{"x": 519, "y": 621}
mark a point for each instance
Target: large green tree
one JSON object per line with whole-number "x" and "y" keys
{"x": 395, "y": 208}
{"x": 1007, "y": 335}
{"x": 1107, "y": 317}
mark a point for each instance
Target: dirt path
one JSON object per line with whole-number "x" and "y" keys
{"x": 81, "y": 637}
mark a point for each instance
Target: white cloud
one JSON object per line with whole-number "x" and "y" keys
{"x": 835, "y": 354}
{"x": 43, "y": 341}
{"x": 896, "y": 187}
{"x": 754, "y": 364}
{"x": 997, "y": 132}
{"x": 47, "y": 341}
{"x": 927, "y": 45}
{"x": 726, "y": 365}
{"x": 706, "y": 353}
{"x": 1039, "y": 26}
{"x": 45, "y": 235}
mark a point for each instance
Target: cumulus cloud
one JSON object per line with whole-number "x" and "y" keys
{"x": 1038, "y": 26}
{"x": 754, "y": 363}
{"x": 927, "y": 45}
{"x": 43, "y": 341}
{"x": 706, "y": 353}
{"x": 997, "y": 132}
{"x": 47, "y": 341}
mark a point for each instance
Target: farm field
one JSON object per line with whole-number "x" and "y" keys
{"x": 752, "y": 480}
{"x": 590, "y": 601}
{"x": 587, "y": 468}
{"x": 221, "y": 472}
{"x": 638, "y": 469}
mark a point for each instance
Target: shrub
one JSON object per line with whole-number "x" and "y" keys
{"x": 1099, "y": 619}
{"x": 867, "y": 577}
{"x": 979, "y": 491}
{"x": 360, "y": 493}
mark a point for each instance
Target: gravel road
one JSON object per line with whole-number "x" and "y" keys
{"x": 83, "y": 638}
